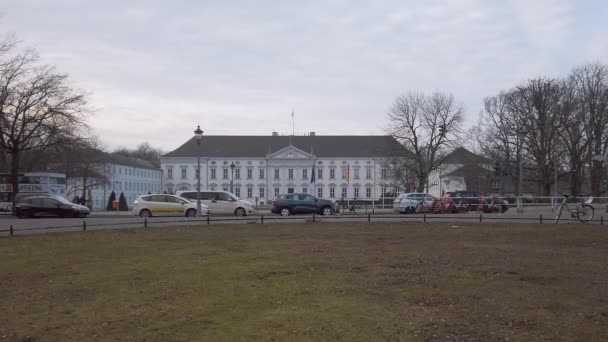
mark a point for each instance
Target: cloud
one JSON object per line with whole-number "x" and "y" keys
{"x": 157, "y": 69}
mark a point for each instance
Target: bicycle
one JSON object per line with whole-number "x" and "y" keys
{"x": 356, "y": 206}
{"x": 583, "y": 211}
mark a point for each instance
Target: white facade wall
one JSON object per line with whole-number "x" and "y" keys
{"x": 179, "y": 173}
{"x": 130, "y": 180}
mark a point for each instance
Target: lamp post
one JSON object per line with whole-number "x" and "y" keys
{"x": 198, "y": 133}
{"x": 232, "y": 166}
{"x": 521, "y": 134}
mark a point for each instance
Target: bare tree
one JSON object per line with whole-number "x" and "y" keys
{"x": 143, "y": 151}
{"x": 38, "y": 109}
{"x": 591, "y": 87}
{"x": 427, "y": 126}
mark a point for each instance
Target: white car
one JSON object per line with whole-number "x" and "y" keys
{"x": 221, "y": 202}
{"x": 407, "y": 203}
{"x": 166, "y": 205}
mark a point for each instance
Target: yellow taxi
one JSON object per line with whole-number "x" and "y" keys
{"x": 166, "y": 205}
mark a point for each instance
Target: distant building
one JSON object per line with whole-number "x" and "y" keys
{"x": 131, "y": 176}
{"x": 462, "y": 170}
{"x": 265, "y": 166}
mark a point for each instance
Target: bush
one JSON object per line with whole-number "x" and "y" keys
{"x": 122, "y": 203}
{"x": 110, "y": 200}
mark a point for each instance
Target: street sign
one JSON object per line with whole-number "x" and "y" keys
{"x": 600, "y": 158}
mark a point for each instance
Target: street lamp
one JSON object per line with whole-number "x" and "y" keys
{"x": 521, "y": 134}
{"x": 198, "y": 134}
{"x": 232, "y": 166}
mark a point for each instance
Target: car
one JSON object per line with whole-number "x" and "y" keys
{"x": 166, "y": 205}
{"x": 220, "y": 202}
{"x": 470, "y": 200}
{"x": 408, "y": 202}
{"x": 49, "y": 206}
{"x": 290, "y": 204}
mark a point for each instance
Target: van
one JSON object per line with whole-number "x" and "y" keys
{"x": 220, "y": 202}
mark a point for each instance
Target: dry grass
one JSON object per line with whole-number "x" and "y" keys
{"x": 348, "y": 282}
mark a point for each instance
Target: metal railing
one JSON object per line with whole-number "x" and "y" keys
{"x": 264, "y": 219}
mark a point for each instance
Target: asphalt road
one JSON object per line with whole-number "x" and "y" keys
{"x": 111, "y": 221}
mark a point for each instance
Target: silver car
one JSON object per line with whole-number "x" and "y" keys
{"x": 407, "y": 203}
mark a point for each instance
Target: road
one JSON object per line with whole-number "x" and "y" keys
{"x": 111, "y": 221}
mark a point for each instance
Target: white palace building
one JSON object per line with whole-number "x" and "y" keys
{"x": 266, "y": 166}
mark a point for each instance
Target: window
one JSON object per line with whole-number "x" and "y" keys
{"x": 357, "y": 173}
{"x": 368, "y": 173}
{"x": 356, "y": 192}
{"x": 344, "y": 192}
{"x": 225, "y": 189}
{"x": 368, "y": 192}
{"x": 320, "y": 192}
{"x": 169, "y": 173}
{"x": 276, "y": 191}
{"x": 213, "y": 174}
{"x": 184, "y": 173}
{"x": 237, "y": 192}
{"x": 120, "y": 170}
{"x": 198, "y": 173}
{"x": 383, "y": 174}
{"x": 290, "y": 173}
{"x": 249, "y": 173}
{"x": 343, "y": 172}
{"x": 261, "y": 192}
{"x": 290, "y": 190}
{"x": 332, "y": 192}
{"x": 237, "y": 174}
{"x": 306, "y": 198}
{"x": 249, "y": 192}
{"x": 496, "y": 184}
{"x": 320, "y": 174}
{"x": 262, "y": 176}
{"x": 225, "y": 173}
{"x": 276, "y": 173}
{"x": 305, "y": 190}
{"x": 304, "y": 173}
{"x": 332, "y": 174}
{"x": 383, "y": 189}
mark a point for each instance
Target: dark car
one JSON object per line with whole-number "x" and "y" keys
{"x": 290, "y": 204}
{"x": 472, "y": 200}
{"x": 49, "y": 206}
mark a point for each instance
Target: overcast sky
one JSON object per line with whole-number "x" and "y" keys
{"x": 156, "y": 69}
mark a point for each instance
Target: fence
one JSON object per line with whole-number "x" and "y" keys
{"x": 262, "y": 219}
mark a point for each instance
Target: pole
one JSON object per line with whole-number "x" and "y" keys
{"x": 231, "y": 179}
{"x": 198, "y": 181}
{"x": 553, "y": 199}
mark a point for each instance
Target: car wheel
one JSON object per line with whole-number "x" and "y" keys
{"x": 145, "y": 213}
{"x": 285, "y": 211}
{"x": 240, "y": 212}
{"x": 326, "y": 211}
{"x": 191, "y": 213}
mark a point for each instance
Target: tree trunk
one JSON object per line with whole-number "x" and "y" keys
{"x": 596, "y": 178}
{"x": 15, "y": 158}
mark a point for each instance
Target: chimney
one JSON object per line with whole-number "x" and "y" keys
{"x": 275, "y": 134}
{"x": 312, "y": 134}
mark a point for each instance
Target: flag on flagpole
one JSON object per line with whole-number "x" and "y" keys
{"x": 348, "y": 174}
{"x": 313, "y": 177}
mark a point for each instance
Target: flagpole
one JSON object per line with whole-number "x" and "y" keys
{"x": 293, "y": 123}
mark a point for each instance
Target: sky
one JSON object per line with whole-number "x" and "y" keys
{"x": 157, "y": 69}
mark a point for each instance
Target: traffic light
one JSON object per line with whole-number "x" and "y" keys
{"x": 496, "y": 169}
{"x": 442, "y": 130}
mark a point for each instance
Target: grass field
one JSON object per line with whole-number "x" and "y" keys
{"x": 302, "y": 282}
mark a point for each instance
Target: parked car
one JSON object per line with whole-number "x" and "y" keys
{"x": 290, "y": 204}
{"x": 408, "y": 202}
{"x": 466, "y": 199}
{"x": 166, "y": 205}
{"x": 220, "y": 202}
{"x": 49, "y": 206}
